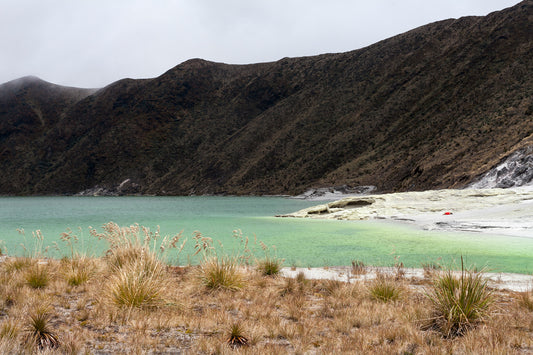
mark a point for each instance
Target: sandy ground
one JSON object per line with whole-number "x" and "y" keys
{"x": 502, "y": 281}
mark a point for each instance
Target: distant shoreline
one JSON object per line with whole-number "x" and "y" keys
{"x": 496, "y": 211}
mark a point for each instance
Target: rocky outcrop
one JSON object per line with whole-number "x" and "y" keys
{"x": 126, "y": 187}
{"x": 334, "y": 192}
{"x": 515, "y": 170}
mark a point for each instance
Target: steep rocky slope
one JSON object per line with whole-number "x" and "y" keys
{"x": 431, "y": 108}
{"x": 29, "y": 109}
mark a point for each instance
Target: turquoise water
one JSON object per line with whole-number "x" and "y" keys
{"x": 301, "y": 242}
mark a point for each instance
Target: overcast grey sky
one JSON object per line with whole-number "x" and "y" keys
{"x": 91, "y": 43}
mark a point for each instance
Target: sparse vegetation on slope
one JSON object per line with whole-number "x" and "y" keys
{"x": 430, "y": 108}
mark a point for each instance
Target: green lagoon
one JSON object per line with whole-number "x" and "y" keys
{"x": 301, "y": 242}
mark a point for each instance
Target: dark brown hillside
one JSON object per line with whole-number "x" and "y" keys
{"x": 29, "y": 109}
{"x": 430, "y": 108}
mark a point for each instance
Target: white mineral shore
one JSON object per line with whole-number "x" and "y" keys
{"x": 501, "y": 281}
{"x": 498, "y": 211}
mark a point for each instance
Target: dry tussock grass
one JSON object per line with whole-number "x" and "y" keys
{"x": 264, "y": 315}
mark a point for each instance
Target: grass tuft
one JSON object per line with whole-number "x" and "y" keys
{"x": 37, "y": 276}
{"x": 236, "y": 336}
{"x": 358, "y": 267}
{"x": 329, "y": 287}
{"x": 459, "y": 302}
{"x": 9, "y": 330}
{"x": 221, "y": 273}
{"x": 15, "y": 264}
{"x": 79, "y": 271}
{"x": 525, "y": 299}
{"x": 122, "y": 256}
{"x": 38, "y": 326}
{"x": 138, "y": 284}
{"x": 385, "y": 289}
{"x": 269, "y": 266}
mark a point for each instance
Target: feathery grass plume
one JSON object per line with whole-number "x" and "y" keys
{"x": 459, "y": 302}
{"x": 37, "y": 276}
{"x": 172, "y": 243}
{"x": 236, "y": 336}
{"x": 139, "y": 283}
{"x": 71, "y": 240}
{"x": 221, "y": 273}
{"x": 246, "y": 253}
{"x": 126, "y": 244}
{"x": 384, "y": 289}
{"x": 38, "y": 327}
{"x": 399, "y": 271}
{"x": 119, "y": 237}
{"x": 37, "y": 244}
{"x": 203, "y": 245}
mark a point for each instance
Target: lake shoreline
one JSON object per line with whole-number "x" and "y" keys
{"x": 304, "y": 243}
{"x": 490, "y": 211}
{"x": 498, "y": 280}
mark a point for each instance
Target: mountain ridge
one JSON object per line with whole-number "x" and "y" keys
{"x": 434, "y": 107}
